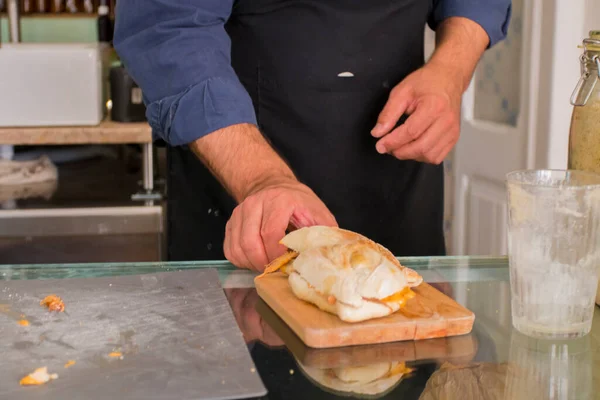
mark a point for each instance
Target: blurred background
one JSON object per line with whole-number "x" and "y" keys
{"x": 80, "y": 180}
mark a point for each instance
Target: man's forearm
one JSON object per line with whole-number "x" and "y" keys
{"x": 241, "y": 159}
{"x": 460, "y": 43}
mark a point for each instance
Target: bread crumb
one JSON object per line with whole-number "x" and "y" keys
{"x": 38, "y": 377}
{"x": 116, "y": 354}
{"x": 54, "y": 303}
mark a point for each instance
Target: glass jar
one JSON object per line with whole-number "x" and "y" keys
{"x": 584, "y": 135}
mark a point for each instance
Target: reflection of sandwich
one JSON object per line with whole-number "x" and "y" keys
{"x": 373, "y": 380}
{"x": 345, "y": 273}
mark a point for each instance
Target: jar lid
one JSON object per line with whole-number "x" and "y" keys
{"x": 593, "y": 42}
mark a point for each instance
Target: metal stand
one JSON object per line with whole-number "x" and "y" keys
{"x": 148, "y": 195}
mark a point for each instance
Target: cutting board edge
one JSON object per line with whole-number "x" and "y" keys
{"x": 316, "y": 341}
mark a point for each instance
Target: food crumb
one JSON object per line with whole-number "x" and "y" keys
{"x": 291, "y": 372}
{"x": 253, "y": 370}
{"x": 23, "y": 322}
{"x": 116, "y": 354}
{"x": 70, "y": 363}
{"x": 38, "y": 377}
{"x": 53, "y": 302}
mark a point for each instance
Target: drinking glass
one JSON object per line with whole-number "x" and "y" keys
{"x": 554, "y": 250}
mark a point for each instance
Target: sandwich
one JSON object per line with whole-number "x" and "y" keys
{"x": 367, "y": 381}
{"x": 344, "y": 273}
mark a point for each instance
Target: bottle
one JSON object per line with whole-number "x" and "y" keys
{"x": 57, "y": 6}
{"x": 88, "y": 6}
{"x": 105, "y": 26}
{"x": 26, "y": 6}
{"x": 42, "y": 6}
{"x": 71, "y": 6}
{"x": 584, "y": 135}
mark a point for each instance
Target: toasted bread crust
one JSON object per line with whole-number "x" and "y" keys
{"x": 278, "y": 263}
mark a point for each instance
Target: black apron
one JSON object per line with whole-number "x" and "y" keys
{"x": 289, "y": 55}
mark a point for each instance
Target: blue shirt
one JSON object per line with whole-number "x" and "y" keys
{"x": 178, "y": 52}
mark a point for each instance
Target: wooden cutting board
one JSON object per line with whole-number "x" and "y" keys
{"x": 457, "y": 349}
{"x": 430, "y": 314}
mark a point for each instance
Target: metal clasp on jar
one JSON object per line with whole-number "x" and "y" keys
{"x": 588, "y": 80}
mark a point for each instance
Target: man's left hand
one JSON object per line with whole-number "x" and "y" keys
{"x": 431, "y": 96}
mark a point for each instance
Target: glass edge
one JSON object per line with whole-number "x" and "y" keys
{"x": 437, "y": 260}
{"x": 508, "y": 179}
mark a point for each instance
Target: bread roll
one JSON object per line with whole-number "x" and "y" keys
{"x": 344, "y": 273}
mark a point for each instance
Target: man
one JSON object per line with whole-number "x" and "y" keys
{"x": 281, "y": 114}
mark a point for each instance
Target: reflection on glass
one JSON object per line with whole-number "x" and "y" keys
{"x": 372, "y": 371}
{"x": 466, "y": 382}
{"x": 549, "y": 370}
{"x": 362, "y": 380}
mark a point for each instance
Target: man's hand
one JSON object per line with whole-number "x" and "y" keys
{"x": 431, "y": 96}
{"x": 270, "y": 197}
{"x": 260, "y": 221}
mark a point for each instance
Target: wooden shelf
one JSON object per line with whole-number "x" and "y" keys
{"x": 54, "y": 15}
{"x": 107, "y": 132}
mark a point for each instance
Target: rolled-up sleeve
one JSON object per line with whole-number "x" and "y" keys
{"x": 493, "y": 15}
{"x": 178, "y": 52}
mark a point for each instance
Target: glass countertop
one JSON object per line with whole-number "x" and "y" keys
{"x": 492, "y": 362}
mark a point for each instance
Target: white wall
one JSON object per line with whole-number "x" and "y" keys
{"x": 563, "y": 28}
{"x": 593, "y": 15}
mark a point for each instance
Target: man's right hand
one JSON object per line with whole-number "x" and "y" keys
{"x": 269, "y": 196}
{"x": 260, "y": 221}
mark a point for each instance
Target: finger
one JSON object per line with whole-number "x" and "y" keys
{"x": 238, "y": 257}
{"x": 302, "y": 218}
{"x": 227, "y": 241}
{"x": 424, "y": 147}
{"x": 250, "y": 239}
{"x": 442, "y": 150}
{"x": 398, "y": 102}
{"x": 275, "y": 219}
{"x": 449, "y": 137}
{"x": 326, "y": 218}
{"x": 410, "y": 131}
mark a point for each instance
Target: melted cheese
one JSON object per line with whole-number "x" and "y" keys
{"x": 399, "y": 369}
{"x": 401, "y": 297}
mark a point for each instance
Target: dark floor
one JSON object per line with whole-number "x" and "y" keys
{"x": 98, "y": 182}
